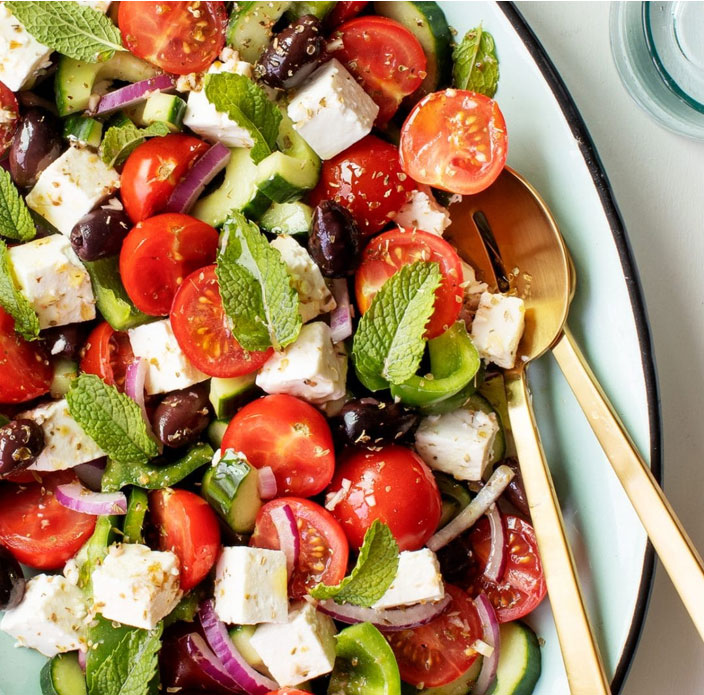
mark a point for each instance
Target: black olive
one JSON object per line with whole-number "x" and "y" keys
{"x": 66, "y": 341}
{"x": 12, "y": 581}
{"x": 100, "y": 233}
{"x": 334, "y": 241}
{"x": 371, "y": 423}
{"x": 182, "y": 416}
{"x": 515, "y": 492}
{"x": 21, "y": 441}
{"x": 293, "y": 54}
{"x": 36, "y": 145}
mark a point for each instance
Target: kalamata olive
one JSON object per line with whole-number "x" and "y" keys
{"x": 334, "y": 240}
{"x": 515, "y": 492}
{"x": 181, "y": 416}
{"x": 37, "y": 144}
{"x": 100, "y": 233}
{"x": 66, "y": 341}
{"x": 293, "y": 54}
{"x": 21, "y": 441}
{"x": 11, "y": 580}
{"x": 369, "y": 422}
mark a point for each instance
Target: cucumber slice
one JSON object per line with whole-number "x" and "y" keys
{"x": 519, "y": 660}
{"x": 165, "y": 108}
{"x": 318, "y": 9}
{"x": 241, "y": 636}
{"x": 83, "y": 130}
{"x": 287, "y": 218}
{"x": 494, "y": 390}
{"x": 250, "y": 27}
{"x": 462, "y": 685}
{"x": 216, "y": 432}
{"x": 65, "y": 371}
{"x": 227, "y": 395}
{"x": 62, "y": 676}
{"x": 478, "y": 402}
{"x": 455, "y": 497}
{"x": 137, "y": 507}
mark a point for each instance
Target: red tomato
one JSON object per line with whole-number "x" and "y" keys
{"x": 324, "y": 549}
{"x": 342, "y": 11}
{"x": 107, "y": 353}
{"x": 454, "y": 140}
{"x": 188, "y": 527}
{"x": 9, "y": 117}
{"x": 393, "y": 485}
{"x": 25, "y": 371}
{"x": 367, "y": 179}
{"x": 154, "y": 169}
{"x": 179, "y": 37}
{"x": 387, "y": 253}
{"x": 522, "y": 587}
{"x": 159, "y": 253}
{"x": 437, "y": 653}
{"x": 385, "y": 57}
{"x": 202, "y": 330}
{"x": 291, "y": 437}
{"x": 36, "y": 529}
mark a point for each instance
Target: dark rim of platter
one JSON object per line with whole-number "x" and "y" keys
{"x": 603, "y": 187}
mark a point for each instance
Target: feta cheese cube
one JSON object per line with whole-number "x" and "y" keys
{"x": 417, "y": 580}
{"x": 311, "y": 368}
{"x": 71, "y": 186}
{"x": 169, "y": 369}
{"x": 100, "y": 5}
{"x": 54, "y": 281}
{"x": 135, "y": 585}
{"x": 497, "y": 328}
{"x": 331, "y": 111}
{"x": 65, "y": 443}
{"x": 299, "y": 650}
{"x": 22, "y": 57}
{"x": 308, "y": 281}
{"x": 458, "y": 443}
{"x": 51, "y": 617}
{"x": 251, "y": 586}
{"x": 423, "y": 212}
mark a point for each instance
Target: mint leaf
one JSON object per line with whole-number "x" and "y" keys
{"x": 77, "y": 31}
{"x": 376, "y": 568}
{"x": 15, "y": 220}
{"x": 14, "y": 302}
{"x": 476, "y": 66}
{"x": 247, "y": 104}
{"x": 120, "y": 140}
{"x": 256, "y": 288}
{"x": 389, "y": 343}
{"x": 110, "y": 418}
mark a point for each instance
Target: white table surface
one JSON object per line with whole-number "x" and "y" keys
{"x": 658, "y": 182}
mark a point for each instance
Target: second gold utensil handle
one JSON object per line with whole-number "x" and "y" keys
{"x": 671, "y": 542}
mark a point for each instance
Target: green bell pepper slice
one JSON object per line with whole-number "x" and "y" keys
{"x": 137, "y": 507}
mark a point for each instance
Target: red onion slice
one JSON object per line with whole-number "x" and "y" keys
{"x": 266, "y": 482}
{"x": 205, "y": 169}
{"x": 82, "y": 660}
{"x": 491, "y": 636}
{"x": 135, "y": 377}
{"x": 496, "y": 562}
{"x": 80, "y": 499}
{"x": 244, "y": 676}
{"x": 289, "y": 538}
{"x": 135, "y": 93}
{"x": 341, "y": 315}
{"x": 91, "y": 473}
{"x": 195, "y": 646}
{"x": 389, "y": 620}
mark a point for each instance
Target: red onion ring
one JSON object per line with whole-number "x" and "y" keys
{"x": 491, "y": 636}
{"x": 289, "y": 538}
{"x": 266, "y": 482}
{"x": 82, "y": 660}
{"x": 341, "y": 315}
{"x": 498, "y": 552}
{"x": 134, "y": 93}
{"x": 80, "y": 499}
{"x": 135, "y": 376}
{"x": 195, "y": 646}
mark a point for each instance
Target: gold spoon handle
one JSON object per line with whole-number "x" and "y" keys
{"x": 585, "y": 671}
{"x": 671, "y": 542}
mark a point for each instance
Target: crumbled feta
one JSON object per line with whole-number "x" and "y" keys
{"x": 422, "y": 211}
{"x": 497, "y": 328}
{"x": 169, "y": 369}
{"x": 100, "y": 5}
{"x": 331, "y": 111}
{"x": 51, "y": 617}
{"x": 302, "y": 649}
{"x": 417, "y": 580}
{"x": 65, "y": 443}
{"x": 459, "y": 443}
{"x": 135, "y": 585}
{"x": 54, "y": 281}
{"x": 251, "y": 586}
{"x": 71, "y": 186}
{"x": 314, "y": 294}
{"x": 311, "y": 368}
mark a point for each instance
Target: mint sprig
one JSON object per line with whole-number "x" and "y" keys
{"x": 247, "y": 104}
{"x": 120, "y": 140}
{"x": 373, "y": 574}
{"x": 256, "y": 288}
{"x": 389, "y": 342}
{"x": 14, "y": 302}
{"x": 15, "y": 220}
{"x": 476, "y": 66}
{"x": 77, "y": 31}
{"x": 110, "y": 418}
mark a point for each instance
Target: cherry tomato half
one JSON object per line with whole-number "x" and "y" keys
{"x": 202, "y": 330}
{"x": 393, "y": 485}
{"x": 291, "y": 437}
{"x": 385, "y": 57}
{"x": 179, "y": 37}
{"x": 324, "y": 549}
{"x": 153, "y": 170}
{"x": 9, "y": 117}
{"x": 159, "y": 253}
{"x": 387, "y": 253}
{"x": 107, "y": 353}
{"x": 455, "y": 140}
{"x": 189, "y": 527}
{"x": 367, "y": 179}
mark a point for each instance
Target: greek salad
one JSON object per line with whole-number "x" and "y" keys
{"x": 254, "y": 436}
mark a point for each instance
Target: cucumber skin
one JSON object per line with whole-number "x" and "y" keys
{"x": 62, "y": 676}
